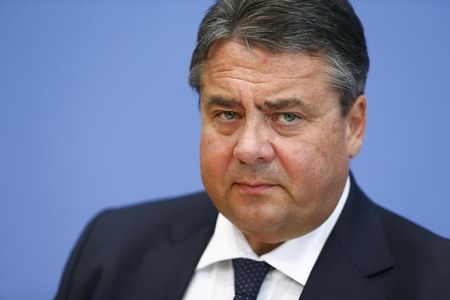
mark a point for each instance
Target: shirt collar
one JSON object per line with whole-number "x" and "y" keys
{"x": 295, "y": 258}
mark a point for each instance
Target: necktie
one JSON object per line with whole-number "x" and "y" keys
{"x": 248, "y": 277}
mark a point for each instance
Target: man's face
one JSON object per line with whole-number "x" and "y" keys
{"x": 275, "y": 147}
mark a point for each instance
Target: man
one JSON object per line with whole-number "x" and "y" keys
{"x": 283, "y": 110}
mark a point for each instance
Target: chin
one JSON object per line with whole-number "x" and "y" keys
{"x": 265, "y": 229}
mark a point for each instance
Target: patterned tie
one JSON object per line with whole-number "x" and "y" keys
{"x": 248, "y": 277}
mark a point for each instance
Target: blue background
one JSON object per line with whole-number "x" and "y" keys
{"x": 96, "y": 112}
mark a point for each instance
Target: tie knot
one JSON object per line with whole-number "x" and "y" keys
{"x": 248, "y": 277}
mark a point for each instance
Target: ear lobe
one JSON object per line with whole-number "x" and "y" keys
{"x": 356, "y": 119}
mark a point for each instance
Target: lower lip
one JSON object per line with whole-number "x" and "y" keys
{"x": 254, "y": 189}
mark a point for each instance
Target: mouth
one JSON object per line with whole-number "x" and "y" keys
{"x": 254, "y": 188}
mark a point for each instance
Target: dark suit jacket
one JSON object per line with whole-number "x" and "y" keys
{"x": 150, "y": 251}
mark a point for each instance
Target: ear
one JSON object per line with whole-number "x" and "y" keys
{"x": 356, "y": 120}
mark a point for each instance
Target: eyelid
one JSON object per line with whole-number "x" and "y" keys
{"x": 297, "y": 116}
{"x": 220, "y": 115}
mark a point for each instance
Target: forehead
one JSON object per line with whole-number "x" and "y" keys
{"x": 232, "y": 64}
{"x": 226, "y": 52}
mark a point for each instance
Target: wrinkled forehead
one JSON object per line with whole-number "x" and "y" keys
{"x": 231, "y": 57}
{"x": 236, "y": 72}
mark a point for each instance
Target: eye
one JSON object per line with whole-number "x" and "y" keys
{"x": 287, "y": 118}
{"x": 227, "y": 115}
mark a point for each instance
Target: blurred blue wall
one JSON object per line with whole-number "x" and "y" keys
{"x": 95, "y": 111}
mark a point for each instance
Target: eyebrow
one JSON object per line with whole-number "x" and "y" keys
{"x": 277, "y": 105}
{"x": 224, "y": 102}
{"x": 280, "y": 104}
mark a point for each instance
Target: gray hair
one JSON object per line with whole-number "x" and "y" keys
{"x": 329, "y": 28}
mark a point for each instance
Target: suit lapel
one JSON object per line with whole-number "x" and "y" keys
{"x": 166, "y": 269}
{"x": 355, "y": 261}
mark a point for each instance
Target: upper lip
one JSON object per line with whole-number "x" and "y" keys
{"x": 255, "y": 183}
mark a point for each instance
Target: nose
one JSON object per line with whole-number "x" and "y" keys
{"x": 254, "y": 145}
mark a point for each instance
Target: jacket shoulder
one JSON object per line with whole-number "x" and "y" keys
{"x": 189, "y": 207}
{"x": 145, "y": 225}
{"x": 421, "y": 259}
{"x": 403, "y": 233}
{"x": 403, "y": 259}
{"x": 116, "y": 241}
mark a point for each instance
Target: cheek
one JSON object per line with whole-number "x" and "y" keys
{"x": 301, "y": 164}
{"x": 215, "y": 155}
{"x": 314, "y": 159}
{"x": 332, "y": 159}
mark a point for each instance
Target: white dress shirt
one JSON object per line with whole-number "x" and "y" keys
{"x": 293, "y": 261}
